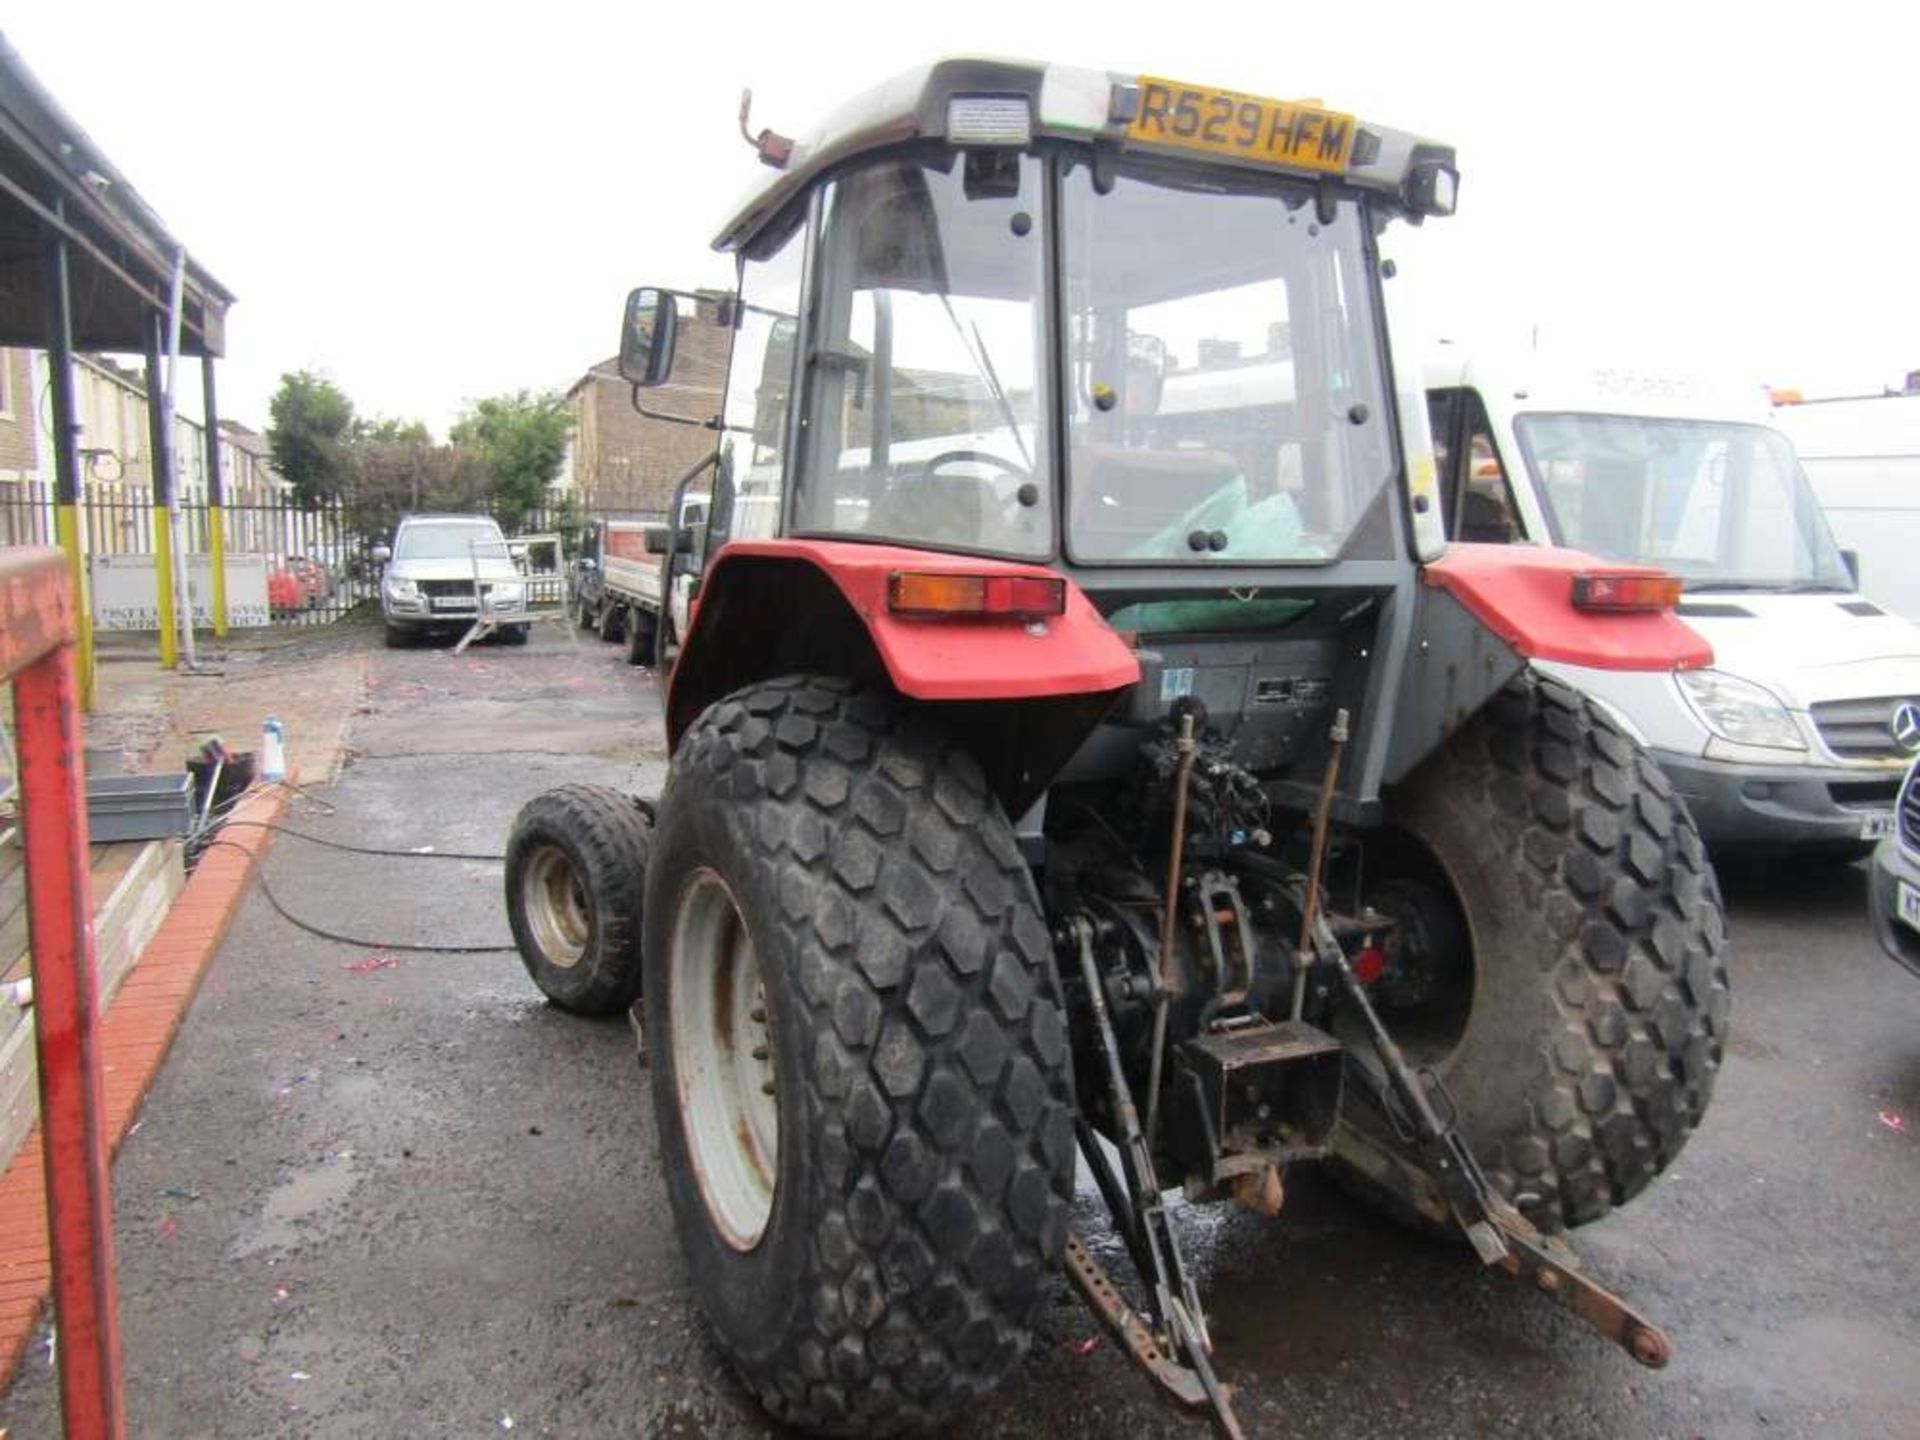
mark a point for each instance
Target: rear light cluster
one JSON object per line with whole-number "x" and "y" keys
{"x": 1630, "y": 590}
{"x": 1019, "y": 597}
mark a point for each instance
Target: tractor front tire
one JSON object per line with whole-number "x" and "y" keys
{"x": 611, "y": 622}
{"x": 860, "y": 1064}
{"x": 1598, "y": 981}
{"x": 640, "y": 642}
{"x": 575, "y": 872}
{"x": 666, "y": 642}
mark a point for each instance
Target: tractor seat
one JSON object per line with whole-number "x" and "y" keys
{"x": 1125, "y": 494}
{"x": 934, "y": 510}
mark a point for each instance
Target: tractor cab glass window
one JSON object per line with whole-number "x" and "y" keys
{"x": 747, "y": 482}
{"x": 1225, "y": 399}
{"x": 1724, "y": 506}
{"x": 926, "y": 403}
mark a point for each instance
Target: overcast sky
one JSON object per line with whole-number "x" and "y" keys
{"x": 430, "y": 204}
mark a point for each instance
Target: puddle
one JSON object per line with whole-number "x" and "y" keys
{"x": 298, "y": 1207}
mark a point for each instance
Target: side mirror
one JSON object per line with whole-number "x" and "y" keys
{"x": 647, "y": 336}
{"x": 683, "y": 540}
{"x": 587, "y": 562}
{"x": 1851, "y": 559}
{"x": 659, "y": 539}
{"x": 381, "y": 554}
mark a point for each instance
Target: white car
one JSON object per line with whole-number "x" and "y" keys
{"x": 438, "y": 570}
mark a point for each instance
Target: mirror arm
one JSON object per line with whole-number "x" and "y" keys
{"x": 709, "y": 424}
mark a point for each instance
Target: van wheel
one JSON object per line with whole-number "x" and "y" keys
{"x": 860, "y": 1067}
{"x": 1560, "y": 957}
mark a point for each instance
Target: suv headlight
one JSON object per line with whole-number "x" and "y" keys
{"x": 1739, "y": 710}
{"x": 401, "y": 588}
{"x": 506, "y": 596}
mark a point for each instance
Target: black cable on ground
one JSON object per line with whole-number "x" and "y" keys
{"x": 354, "y": 940}
{"x": 275, "y": 825}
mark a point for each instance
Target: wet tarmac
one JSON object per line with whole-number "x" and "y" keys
{"x": 371, "y": 1199}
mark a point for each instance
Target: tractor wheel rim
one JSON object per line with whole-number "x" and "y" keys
{"x": 557, "y": 907}
{"x": 723, "y": 1061}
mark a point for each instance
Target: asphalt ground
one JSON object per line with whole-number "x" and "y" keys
{"x": 386, "y": 1194}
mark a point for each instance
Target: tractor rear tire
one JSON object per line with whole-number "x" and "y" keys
{"x": 1598, "y": 979}
{"x": 871, "y": 1220}
{"x": 575, "y": 872}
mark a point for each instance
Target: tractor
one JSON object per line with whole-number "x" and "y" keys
{"x": 1087, "y": 750}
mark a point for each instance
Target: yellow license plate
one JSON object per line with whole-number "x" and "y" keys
{"x": 1242, "y": 127}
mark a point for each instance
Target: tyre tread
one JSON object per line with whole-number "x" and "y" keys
{"x": 939, "y": 1104}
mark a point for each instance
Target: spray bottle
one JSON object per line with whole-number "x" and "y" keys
{"x": 273, "y": 750}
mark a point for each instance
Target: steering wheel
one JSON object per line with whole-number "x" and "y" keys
{"x": 1010, "y": 507}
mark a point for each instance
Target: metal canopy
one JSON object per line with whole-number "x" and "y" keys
{"x": 55, "y": 180}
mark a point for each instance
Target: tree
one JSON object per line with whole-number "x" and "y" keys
{"x": 391, "y": 478}
{"x": 386, "y": 430}
{"x": 312, "y": 419}
{"x": 522, "y": 441}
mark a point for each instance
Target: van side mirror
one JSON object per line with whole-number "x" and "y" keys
{"x": 647, "y": 335}
{"x": 1851, "y": 559}
{"x": 380, "y": 554}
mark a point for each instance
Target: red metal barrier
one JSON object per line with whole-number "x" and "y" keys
{"x": 37, "y": 635}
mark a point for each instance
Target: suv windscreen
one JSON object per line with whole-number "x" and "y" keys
{"x": 1723, "y": 505}
{"x": 1225, "y": 398}
{"x": 451, "y": 541}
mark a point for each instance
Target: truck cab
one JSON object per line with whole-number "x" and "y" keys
{"x": 1798, "y": 733}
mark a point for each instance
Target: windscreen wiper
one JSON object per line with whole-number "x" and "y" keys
{"x": 983, "y": 364}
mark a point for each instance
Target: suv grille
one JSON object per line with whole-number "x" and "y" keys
{"x": 447, "y": 587}
{"x": 1863, "y": 729}
{"x": 1910, "y": 811}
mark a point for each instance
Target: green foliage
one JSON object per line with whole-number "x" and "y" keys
{"x": 312, "y": 420}
{"x": 570, "y": 521}
{"x": 386, "y": 430}
{"x": 521, "y": 439}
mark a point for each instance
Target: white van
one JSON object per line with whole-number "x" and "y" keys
{"x": 1862, "y": 456}
{"x": 1799, "y": 732}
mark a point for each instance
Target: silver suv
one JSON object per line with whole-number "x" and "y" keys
{"x": 433, "y": 569}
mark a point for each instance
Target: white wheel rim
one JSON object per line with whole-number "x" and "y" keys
{"x": 557, "y": 909}
{"x": 723, "y": 1061}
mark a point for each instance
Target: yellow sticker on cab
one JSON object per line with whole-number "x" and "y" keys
{"x": 1242, "y": 127}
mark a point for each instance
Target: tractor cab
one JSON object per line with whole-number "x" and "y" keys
{"x": 1121, "y": 328}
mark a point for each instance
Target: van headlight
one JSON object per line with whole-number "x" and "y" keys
{"x": 1739, "y": 710}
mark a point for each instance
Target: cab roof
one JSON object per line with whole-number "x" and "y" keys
{"x": 1062, "y": 102}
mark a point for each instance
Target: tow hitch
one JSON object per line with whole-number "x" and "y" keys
{"x": 1500, "y": 1235}
{"x": 1170, "y": 1341}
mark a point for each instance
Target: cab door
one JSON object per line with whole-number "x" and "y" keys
{"x": 1476, "y": 492}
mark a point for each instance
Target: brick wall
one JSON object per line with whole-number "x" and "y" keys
{"x": 624, "y": 461}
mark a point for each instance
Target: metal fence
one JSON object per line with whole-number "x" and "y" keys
{"x": 318, "y": 565}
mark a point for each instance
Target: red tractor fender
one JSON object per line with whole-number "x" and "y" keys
{"x": 776, "y": 607}
{"x": 1524, "y": 595}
